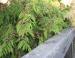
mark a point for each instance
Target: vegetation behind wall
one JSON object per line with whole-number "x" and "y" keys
{"x": 27, "y": 23}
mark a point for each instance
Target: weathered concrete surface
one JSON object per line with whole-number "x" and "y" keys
{"x": 55, "y": 47}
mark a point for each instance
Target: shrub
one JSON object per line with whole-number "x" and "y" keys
{"x": 25, "y": 24}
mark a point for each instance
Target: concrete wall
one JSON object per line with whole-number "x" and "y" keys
{"x": 55, "y": 47}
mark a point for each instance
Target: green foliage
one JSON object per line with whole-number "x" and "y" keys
{"x": 27, "y": 23}
{"x": 24, "y": 44}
